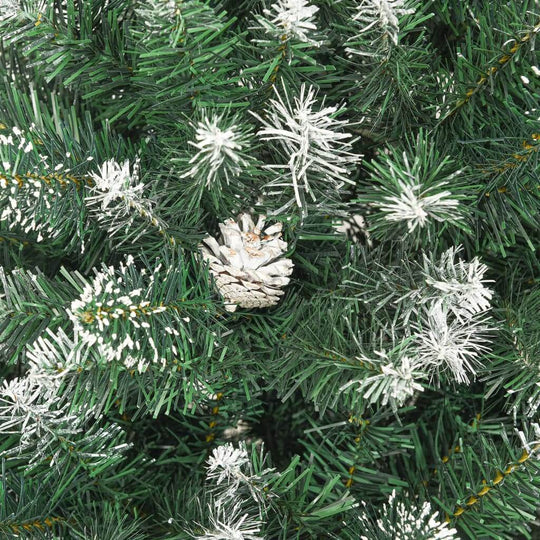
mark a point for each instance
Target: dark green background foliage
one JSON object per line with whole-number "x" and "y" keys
{"x": 118, "y": 79}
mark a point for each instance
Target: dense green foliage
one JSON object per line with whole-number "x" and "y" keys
{"x": 117, "y": 447}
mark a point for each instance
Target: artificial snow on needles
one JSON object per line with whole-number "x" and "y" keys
{"x": 117, "y": 198}
{"x": 219, "y": 144}
{"x": 225, "y": 464}
{"x": 9, "y": 9}
{"x": 115, "y": 182}
{"x": 293, "y": 19}
{"x": 247, "y": 262}
{"x": 458, "y": 285}
{"x": 404, "y": 521}
{"x": 414, "y": 205}
{"x": 397, "y": 379}
{"x": 311, "y": 139}
{"x": 229, "y": 522}
{"x": 382, "y": 14}
{"x": 444, "y": 343}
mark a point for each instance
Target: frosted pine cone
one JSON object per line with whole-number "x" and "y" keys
{"x": 247, "y": 263}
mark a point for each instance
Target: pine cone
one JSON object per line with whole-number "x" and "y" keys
{"x": 247, "y": 263}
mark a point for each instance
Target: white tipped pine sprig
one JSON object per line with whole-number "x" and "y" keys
{"x": 247, "y": 263}
{"x": 222, "y": 145}
{"x": 230, "y": 475}
{"x": 38, "y": 203}
{"x": 317, "y": 152}
{"x": 378, "y": 23}
{"x": 117, "y": 200}
{"x": 447, "y": 280}
{"x": 225, "y": 466}
{"x": 31, "y": 409}
{"x": 291, "y": 20}
{"x": 122, "y": 313}
{"x": 397, "y": 380}
{"x": 405, "y": 520}
{"x": 228, "y": 522}
{"x": 29, "y": 9}
{"x": 457, "y": 285}
{"x": 445, "y": 343}
{"x": 155, "y": 12}
{"x": 57, "y": 353}
{"x": 414, "y": 206}
{"x": 452, "y": 324}
{"x": 413, "y": 191}
{"x": 440, "y": 311}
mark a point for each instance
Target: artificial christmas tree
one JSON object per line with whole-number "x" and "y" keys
{"x": 269, "y": 269}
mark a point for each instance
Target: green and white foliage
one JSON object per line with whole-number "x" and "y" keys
{"x": 38, "y": 426}
{"x": 8, "y": 9}
{"x": 116, "y": 200}
{"x": 21, "y": 9}
{"x": 156, "y": 14}
{"x": 316, "y": 150}
{"x": 244, "y": 498}
{"x": 400, "y": 520}
{"x": 394, "y": 381}
{"x": 221, "y": 150}
{"x": 379, "y": 20}
{"x": 288, "y": 20}
{"x": 238, "y": 499}
{"x": 38, "y": 199}
{"x": 445, "y": 343}
{"x": 226, "y": 521}
{"x": 125, "y": 312}
{"x": 269, "y": 269}
{"x": 441, "y": 312}
{"x": 414, "y": 192}
{"x": 218, "y": 166}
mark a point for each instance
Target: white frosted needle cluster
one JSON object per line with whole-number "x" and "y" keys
{"x": 459, "y": 285}
{"x": 117, "y": 197}
{"x": 219, "y": 150}
{"x": 293, "y": 19}
{"x": 382, "y": 14}
{"x": 312, "y": 140}
{"x": 225, "y": 464}
{"x": 396, "y": 382}
{"x": 30, "y": 407}
{"x": 454, "y": 301}
{"x": 228, "y": 523}
{"x": 444, "y": 343}
{"x": 114, "y": 182}
{"x": 107, "y": 301}
{"x": 401, "y": 381}
{"x": 414, "y": 206}
{"x": 247, "y": 263}
{"x": 28, "y": 203}
{"x": 400, "y": 521}
{"x": 14, "y": 8}
{"x": 152, "y": 12}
